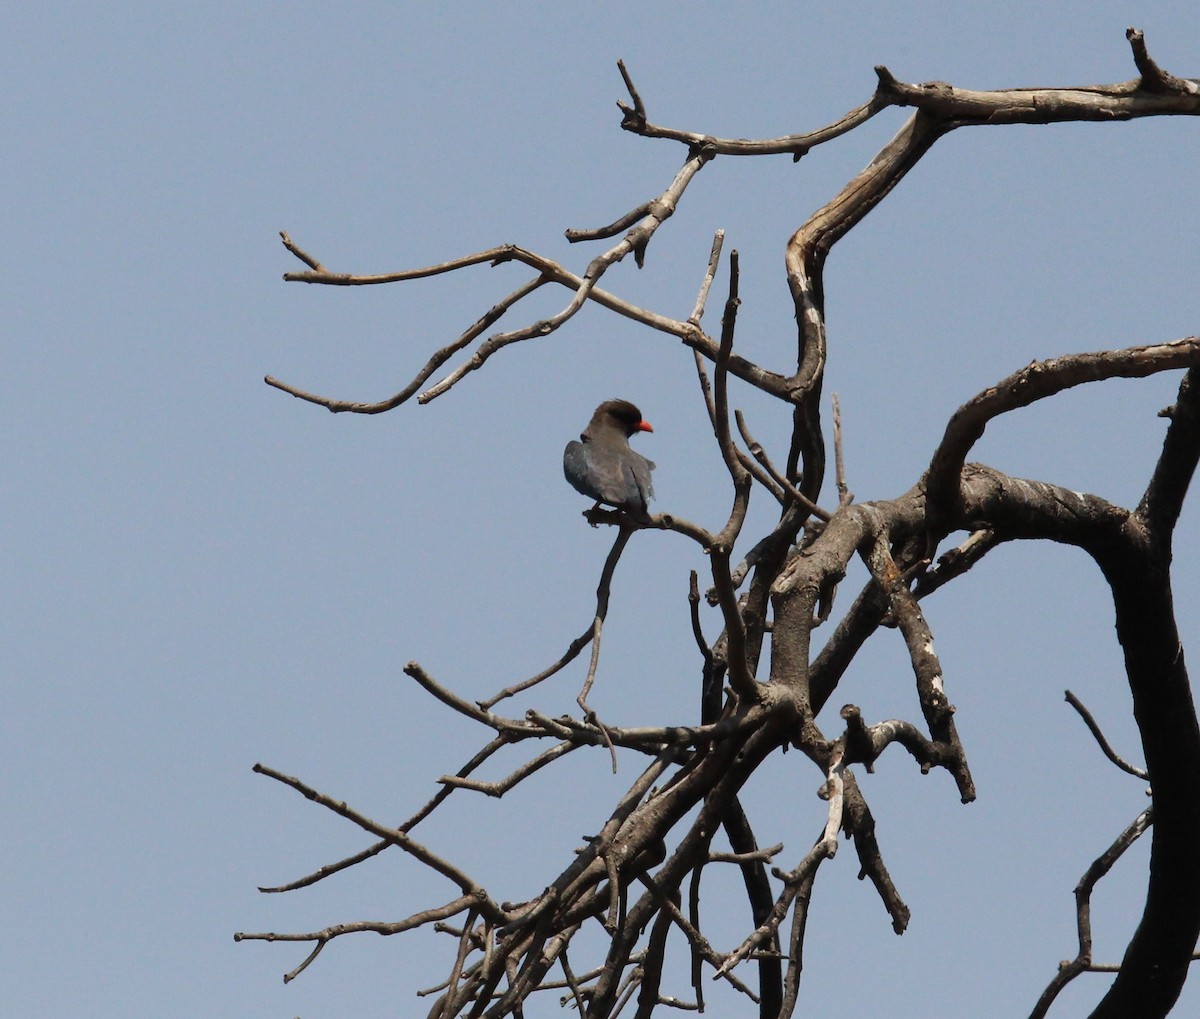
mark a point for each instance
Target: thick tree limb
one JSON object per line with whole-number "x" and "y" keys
{"x": 1036, "y": 381}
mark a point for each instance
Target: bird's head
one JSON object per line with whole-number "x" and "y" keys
{"x": 621, "y": 414}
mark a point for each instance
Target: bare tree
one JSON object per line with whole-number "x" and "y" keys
{"x": 640, "y": 877}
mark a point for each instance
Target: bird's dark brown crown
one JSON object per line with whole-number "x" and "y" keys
{"x": 625, "y": 412}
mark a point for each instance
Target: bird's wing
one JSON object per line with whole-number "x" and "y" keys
{"x": 638, "y": 485}
{"x": 578, "y": 471}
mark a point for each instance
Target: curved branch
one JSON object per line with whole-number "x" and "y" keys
{"x": 805, "y": 259}
{"x": 796, "y": 145}
{"x": 1034, "y": 382}
{"x": 864, "y": 744}
{"x": 1105, "y": 746}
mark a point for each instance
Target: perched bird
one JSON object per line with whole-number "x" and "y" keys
{"x": 602, "y": 465}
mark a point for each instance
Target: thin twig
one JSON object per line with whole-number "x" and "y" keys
{"x": 639, "y": 108}
{"x": 376, "y": 848}
{"x": 436, "y": 360}
{"x": 464, "y": 948}
{"x": 323, "y": 937}
{"x": 775, "y": 482}
{"x": 714, "y": 258}
{"x": 721, "y": 376}
{"x": 568, "y": 656}
{"x": 845, "y": 496}
{"x": 548, "y": 271}
{"x": 398, "y": 838}
{"x": 572, "y": 983}
{"x": 1068, "y": 971}
{"x": 795, "y": 145}
{"x": 575, "y": 234}
{"x": 694, "y": 610}
{"x": 602, "y": 595}
{"x": 719, "y": 554}
{"x": 589, "y": 636}
{"x": 1105, "y": 746}
{"x": 498, "y": 789}
{"x": 464, "y": 707}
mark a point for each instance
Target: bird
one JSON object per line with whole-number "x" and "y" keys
{"x": 603, "y": 466}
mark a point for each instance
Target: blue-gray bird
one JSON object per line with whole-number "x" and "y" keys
{"x": 604, "y": 467}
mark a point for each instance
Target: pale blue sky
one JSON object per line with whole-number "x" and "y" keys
{"x": 199, "y": 572}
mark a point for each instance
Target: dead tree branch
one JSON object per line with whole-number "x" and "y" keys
{"x": 640, "y": 878}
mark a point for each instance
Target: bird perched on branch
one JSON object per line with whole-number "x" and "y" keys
{"x": 604, "y": 467}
